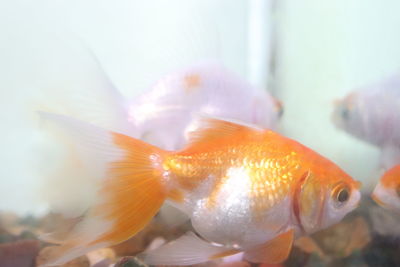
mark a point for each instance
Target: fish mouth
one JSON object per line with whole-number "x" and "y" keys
{"x": 378, "y": 200}
{"x": 278, "y": 107}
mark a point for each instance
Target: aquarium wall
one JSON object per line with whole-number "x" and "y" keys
{"x": 326, "y": 50}
{"x": 306, "y": 53}
{"x": 250, "y": 133}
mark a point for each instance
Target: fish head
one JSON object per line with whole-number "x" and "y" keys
{"x": 266, "y": 110}
{"x": 349, "y": 115}
{"x": 342, "y": 196}
{"x": 370, "y": 112}
{"x": 387, "y": 191}
{"x": 324, "y": 198}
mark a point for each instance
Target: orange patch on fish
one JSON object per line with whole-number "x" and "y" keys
{"x": 213, "y": 198}
{"x": 182, "y": 171}
{"x": 378, "y": 201}
{"x": 272, "y": 191}
{"x": 191, "y": 82}
{"x": 391, "y": 179}
{"x": 273, "y": 251}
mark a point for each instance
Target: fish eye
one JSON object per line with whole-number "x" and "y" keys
{"x": 345, "y": 113}
{"x": 341, "y": 194}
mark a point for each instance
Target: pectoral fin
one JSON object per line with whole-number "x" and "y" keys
{"x": 307, "y": 244}
{"x": 186, "y": 250}
{"x": 274, "y": 251}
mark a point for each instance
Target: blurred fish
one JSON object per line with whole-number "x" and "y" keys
{"x": 371, "y": 114}
{"x": 387, "y": 192}
{"x": 384, "y": 222}
{"x": 207, "y": 88}
{"x": 244, "y": 188}
{"x": 338, "y": 241}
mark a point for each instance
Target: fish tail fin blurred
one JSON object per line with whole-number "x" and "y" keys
{"x": 130, "y": 191}
{"x": 89, "y": 92}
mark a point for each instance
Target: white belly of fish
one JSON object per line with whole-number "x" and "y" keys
{"x": 232, "y": 220}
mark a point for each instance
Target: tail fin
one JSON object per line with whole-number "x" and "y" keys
{"x": 130, "y": 192}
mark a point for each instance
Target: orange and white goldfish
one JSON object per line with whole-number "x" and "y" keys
{"x": 245, "y": 189}
{"x": 371, "y": 114}
{"x": 387, "y": 191}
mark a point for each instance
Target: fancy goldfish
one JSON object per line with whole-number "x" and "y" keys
{"x": 387, "y": 191}
{"x": 245, "y": 189}
{"x": 207, "y": 88}
{"x": 371, "y": 114}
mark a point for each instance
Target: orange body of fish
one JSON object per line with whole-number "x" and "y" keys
{"x": 387, "y": 191}
{"x": 245, "y": 189}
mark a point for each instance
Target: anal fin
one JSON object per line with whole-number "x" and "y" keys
{"x": 187, "y": 250}
{"x": 274, "y": 251}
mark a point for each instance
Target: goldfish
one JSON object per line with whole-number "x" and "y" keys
{"x": 371, "y": 114}
{"x": 387, "y": 191}
{"x": 208, "y": 88}
{"x": 245, "y": 189}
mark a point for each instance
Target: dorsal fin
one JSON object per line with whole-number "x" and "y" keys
{"x": 207, "y": 128}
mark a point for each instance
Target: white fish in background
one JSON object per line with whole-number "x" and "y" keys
{"x": 163, "y": 114}
{"x": 372, "y": 114}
